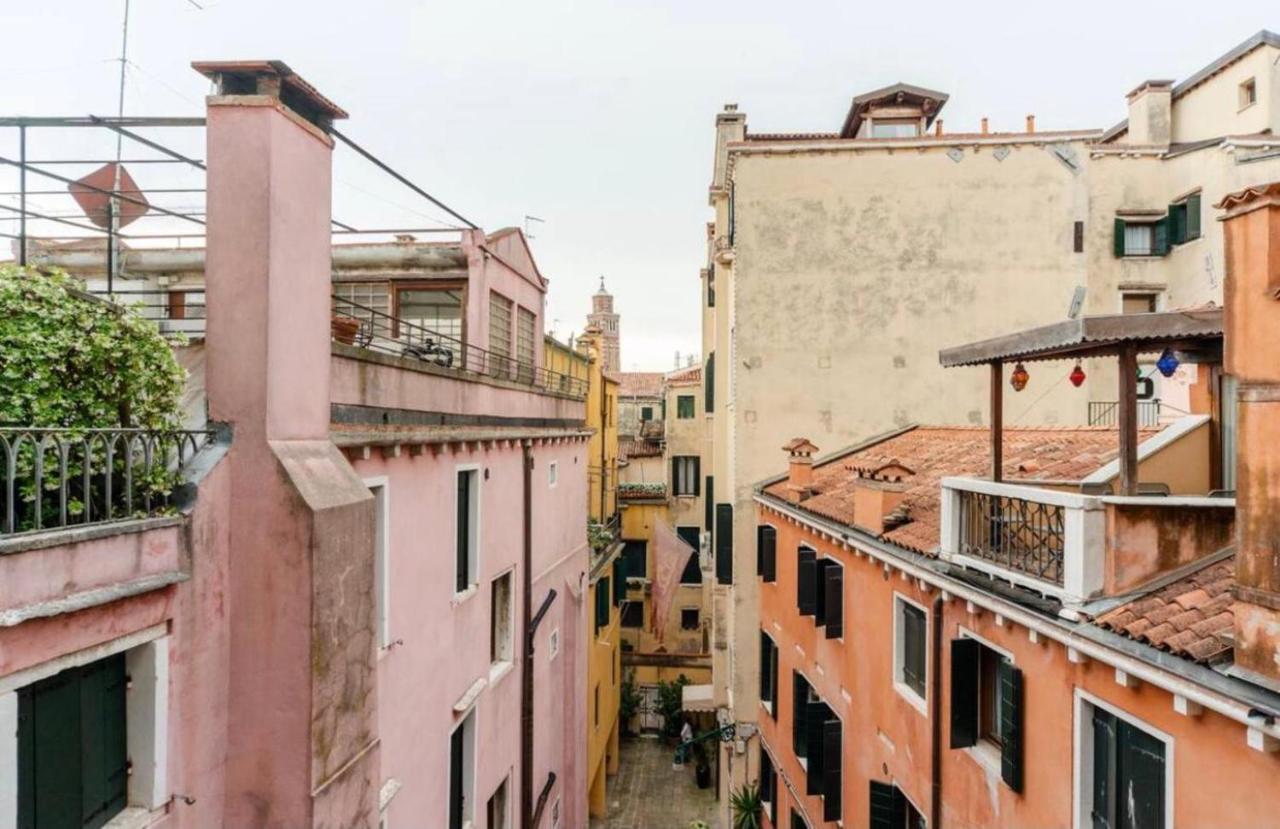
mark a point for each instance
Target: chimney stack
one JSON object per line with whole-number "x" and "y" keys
{"x": 1252, "y": 357}
{"x": 800, "y": 472}
{"x": 1151, "y": 113}
{"x": 937, "y": 127}
{"x": 985, "y": 126}
{"x": 1031, "y": 123}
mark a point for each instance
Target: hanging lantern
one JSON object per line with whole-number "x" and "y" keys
{"x": 1077, "y": 376}
{"x": 1168, "y": 363}
{"x": 1019, "y": 377}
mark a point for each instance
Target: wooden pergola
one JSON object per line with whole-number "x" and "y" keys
{"x": 1195, "y": 336}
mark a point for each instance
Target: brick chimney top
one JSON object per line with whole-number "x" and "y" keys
{"x": 800, "y": 473}
{"x": 273, "y": 79}
{"x": 799, "y": 447}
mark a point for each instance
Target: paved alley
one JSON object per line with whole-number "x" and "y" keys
{"x": 649, "y": 794}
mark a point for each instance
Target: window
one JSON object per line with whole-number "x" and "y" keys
{"x": 1248, "y": 93}
{"x": 684, "y": 406}
{"x": 769, "y": 673}
{"x": 689, "y": 618}
{"x": 890, "y": 809}
{"x": 497, "y": 813}
{"x": 909, "y": 651}
{"x": 768, "y": 786}
{"x": 1077, "y": 238}
{"x": 801, "y": 696}
{"x": 1125, "y": 770}
{"x": 462, "y": 751}
{"x": 500, "y": 334}
{"x": 635, "y": 556}
{"x": 724, "y": 543}
{"x": 553, "y": 643}
{"x": 525, "y": 324}
{"x": 711, "y": 285}
{"x": 435, "y": 308}
{"x": 367, "y": 295}
{"x": 806, "y": 580}
{"x": 466, "y": 564}
{"x": 709, "y": 385}
{"x": 73, "y": 756}
{"x": 603, "y": 603}
{"x": 986, "y": 704}
{"x": 685, "y": 472}
{"x": 619, "y": 582}
{"x": 381, "y": 562}
{"x": 646, "y": 414}
{"x": 692, "y": 573}
{"x": 895, "y": 127}
{"x": 553, "y": 473}
{"x": 633, "y": 615}
{"x": 797, "y": 822}
{"x": 1138, "y": 303}
{"x": 832, "y": 588}
{"x": 1142, "y": 237}
{"x": 767, "y": 552}
{"x": 500, "y": 616}
{"x": 596, "y": 707}
{"x": 1184, "y": 219}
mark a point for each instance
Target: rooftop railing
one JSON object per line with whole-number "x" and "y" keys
{"x": 174, "y": 310}
{"x": 1107, "y": 412}
{"x": 365, "y": 327}
{"x": 59, "y": 478}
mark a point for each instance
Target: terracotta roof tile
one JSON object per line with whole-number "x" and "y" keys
{"x": 640, "y": 383}
{"x": 934, "y": 452}
{"x": 685, "y": 376}
{"x": 1191, "y": 617}
{"x": 639, "y": 448}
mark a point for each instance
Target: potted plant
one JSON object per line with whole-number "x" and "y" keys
{"x": 747, "y": 807}
{"x": 344, "y": 328}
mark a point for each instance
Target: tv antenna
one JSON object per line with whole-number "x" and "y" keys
{"x": 528, "y": 231}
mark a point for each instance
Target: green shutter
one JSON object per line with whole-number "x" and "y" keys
{"x": 815, "y": 717}
{"x": 834, "y": 589}
{"x": 1104, "y": 769}
{"x": 886, "y": 807}
{"x": 1011, "y": 719}
{"x": 820, "y": 590}
{"x": 462, "y": 578}
{"x": 799, "y": 707}
{"x": 1193, "y": 217}
{"x": 724, "y": 543}
{"x": 1160, "y": 234}
{"x": 832, "y": 780}
{"x": 456, "y": 776}
{"x": 708, "y": 505}
{"x": 1177, "y": 223}
{"x": 806, "y": 566}
{"x": 965, "y": 657}
{"x": 709, "y": 385}
{"x": 1141, "y": 759}
{"x": 1118, "y": 240}
{"x": 619, "y": 581}
{"x": 602, "y": 603}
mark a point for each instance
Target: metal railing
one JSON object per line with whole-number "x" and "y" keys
{"x": 365, "y": 327}
{"x": 174, "y": 310}
{"x": 1015, "y": 533}
{"x": 57, "y": 478}
{"x": 1107, "y": 413}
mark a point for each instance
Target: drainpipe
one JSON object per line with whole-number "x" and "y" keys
{"x": 935, "y": 717}
{"x": 526, "y": 664}
{"x": 604, "y": 414}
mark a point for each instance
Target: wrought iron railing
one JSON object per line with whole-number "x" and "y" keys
{"x": 174, "y": 310}
{"x": 360, "y": 325}
{"x": 1107, "y": 413}
{"x": 1018, "y": 534}
{"x": 55, "y": 478}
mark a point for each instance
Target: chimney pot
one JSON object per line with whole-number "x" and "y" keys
{"x": 1031, "y": 123}
{"x": 937, "y": 127}
{"x": 984, "y": 125}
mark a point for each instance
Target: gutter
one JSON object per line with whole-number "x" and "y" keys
{"x": 1251, "y": 706}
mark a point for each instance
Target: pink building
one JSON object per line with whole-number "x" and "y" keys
{"x": 368, "y": 606}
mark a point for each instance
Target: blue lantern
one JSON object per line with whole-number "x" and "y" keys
{"x": 1168, "y": 363}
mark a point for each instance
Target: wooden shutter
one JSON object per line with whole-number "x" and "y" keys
{"x": 965, "y": 656}
{"x": 769, "y": 785}
{"x": 773, "y": 682}
{"x": 619, "y": 582}
{"x": 1104, "y": 769}
{"x": 768, "y": 554}
{"x": 104, "y": 763}
{"x": 462, "y": 556}
{"x": 799, "y": 706}
{"x": 834, "y": 588}
{"x": 820, "y": 590}
{"x": 1077, "y": 241}
{"x": 1160, "y": 233}
{"x": 766, "y": 647}
{"x": 724, "y": 543}
{"x": 815, "y": 718}
{"x": 1011, "y": 725}
{"x": 709, "y": 388}
{"x": 675, "y": 476}
{"x": 697, "y": 473}
{"x": 708, "y": 505}
{"x": 832, "y": 778}
{"x": 887, "y": 809}
{"x": 805, "y": 566}
{"x": 1118, "y": 240}
{"x": 1141, "y": 759}
{"x": 1193, "y": 216}
{"x": 1177, "y": 223}
{"x": 49, "y": 752}
{"x": 455, "y": 777}
{"x": 602, "y": 603}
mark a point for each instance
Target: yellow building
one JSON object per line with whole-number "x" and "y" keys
{"x": 602, "y": 416}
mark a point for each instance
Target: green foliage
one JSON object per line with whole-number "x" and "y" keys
{"x": 599, "y": 536}
{"x": 630, "y": 700}
{"x": 637, "y": 489}
{"x": 747, "y": 807}
{"x": 671, "y": 706}
{"x": 69, "y": 360}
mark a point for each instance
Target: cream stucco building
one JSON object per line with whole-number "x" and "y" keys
{"x": 840, "y": 263}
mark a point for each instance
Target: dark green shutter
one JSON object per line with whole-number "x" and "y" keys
{"x": 724, "y": 543}
{"x": 806, "y": 566}
{"x": 1193, "y": 217}
{"x": 815, "y": 719}
{"x": 1118, "y": 240}
{"x": 1011, "y": 725}
{"x": 832, "y": 779}
{"x": 455, "y": 777}
{"x": 1141, "y": 762}
{"x": 619, "y": 582}
{"x": 1177, "y": 223}
{"x": 602, "y": 603}
{"x": 773, "y": 682}
{"x": 708, "y": 505}
{"x": 965, "y": 656}
{"x": 675, "y": 476}
{"x": 709, "y": 385}
{"x": 887, "y": 807}
{"x": 462, "y": 558}
{"x": 1160, "y": 237}
{"x": 835, "y": 601}
{"x": 766, "y": 644}
{"x": 799, "y": 706}
{"x": 766, "y": 552}
{"x": 1104, "y": 769}
{"x": 697, "y": 473}
{"x": 820, "y": 590}
{"x": 769, "y": 784}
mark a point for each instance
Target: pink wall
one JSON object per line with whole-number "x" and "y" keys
{"x": 506, "y": 267}
{"x": 446, "y": 641}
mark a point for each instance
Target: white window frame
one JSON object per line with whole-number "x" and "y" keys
{"x": 1251, "y": 84}
{"x": 506, "y": 815}
{"x": 685, "y": 467}
{"x": 473, "y": 551}
{"x": 764, "y": 703}
{"x": 498, "y": 667}
{"x": 468, "y": 801}
{"x": 553, "y": 474}
{"x": 920, "y": 703}
{"x": 1082, "y": 760}
{"x": 382, "y": 560}
{"x": 146, "y": 720}
{"x": 984, "y": 751}
{"x": 1150, "y": 227}
{"x": 553, "y": 643}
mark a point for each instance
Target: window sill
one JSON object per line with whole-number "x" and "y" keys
{"x": 767, "y": 707}
{"x": 498, "y": 670}
{"x": 986, "y": 754}
{"x": 459, "y": 598}
{"x": 917, "y": 702}
{"x": 136, "y": 817}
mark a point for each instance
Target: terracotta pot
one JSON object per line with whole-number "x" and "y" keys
{"x": 344, "y": 328}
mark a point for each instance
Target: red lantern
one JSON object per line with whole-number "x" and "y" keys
{"x": 1019, "y": 378}
{"x": 1077, "y": 376}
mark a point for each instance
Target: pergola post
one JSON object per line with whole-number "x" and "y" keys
{"x": 1128, "y": 420}
{"x": 997, "y": 420}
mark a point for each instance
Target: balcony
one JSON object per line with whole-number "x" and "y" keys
{"x": 1076, "y": 547}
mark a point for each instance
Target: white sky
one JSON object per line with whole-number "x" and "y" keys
{"x": 597, "y": 116}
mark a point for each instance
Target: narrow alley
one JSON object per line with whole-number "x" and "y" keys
{"x": 649, "y": 793}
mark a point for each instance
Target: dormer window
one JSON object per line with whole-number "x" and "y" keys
{"x": 1248, "y": 93}
{"x": 895, "y": 127}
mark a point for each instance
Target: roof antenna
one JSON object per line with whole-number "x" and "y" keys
{"x": 527, "y": 230}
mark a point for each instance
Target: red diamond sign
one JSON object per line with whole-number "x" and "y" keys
{"x": 92, "y": 193}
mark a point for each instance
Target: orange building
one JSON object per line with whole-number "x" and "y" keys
{"x": 1040, "y": 627}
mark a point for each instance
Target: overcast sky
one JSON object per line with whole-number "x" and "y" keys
{"x": 595, "y": 116}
